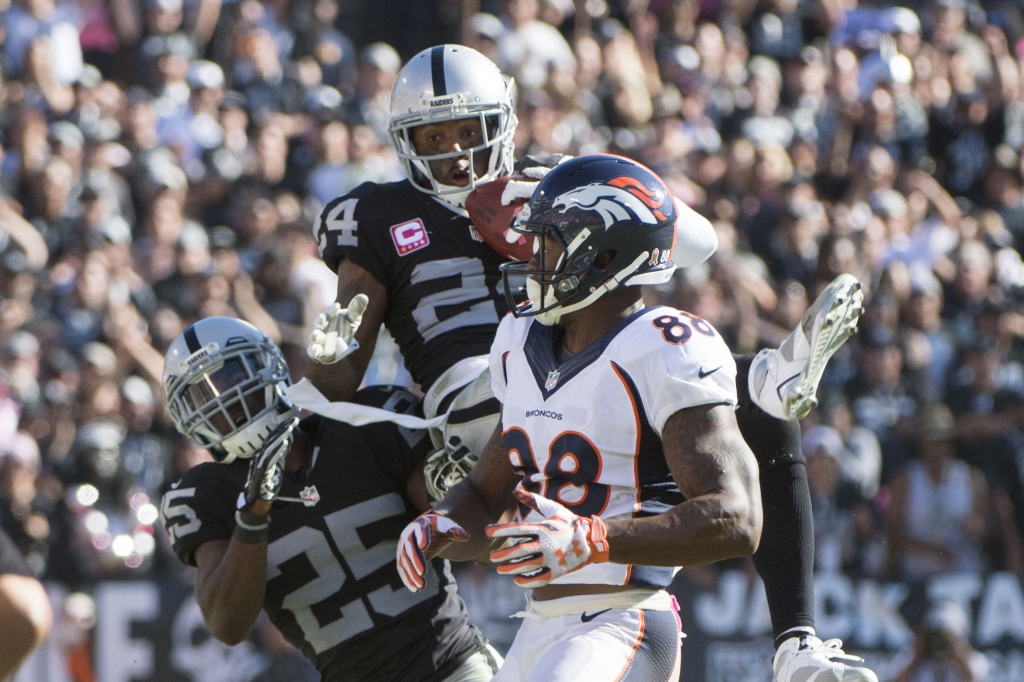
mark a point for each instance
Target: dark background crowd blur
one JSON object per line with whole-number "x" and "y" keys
{"x": 164, "y": 160}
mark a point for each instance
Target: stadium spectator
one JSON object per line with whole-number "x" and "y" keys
{"x": 378, "y": 66}
{"x": 937, "y": 518}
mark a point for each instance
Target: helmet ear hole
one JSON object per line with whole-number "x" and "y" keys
{"x": 604, "y": 259}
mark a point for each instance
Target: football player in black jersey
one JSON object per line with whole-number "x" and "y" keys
{"x": 302, "y": 518}
{"x": 408, "y": 257}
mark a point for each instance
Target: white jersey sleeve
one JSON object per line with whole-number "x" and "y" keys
{"x": 680, "y": 361}
{"x": 510, "y": 334}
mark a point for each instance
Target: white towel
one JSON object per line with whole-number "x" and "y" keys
{"x": 305, "y": 395}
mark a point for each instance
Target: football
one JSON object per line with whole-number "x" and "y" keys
{"x": 492, "y": 220}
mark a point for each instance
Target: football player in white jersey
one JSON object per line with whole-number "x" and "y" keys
{"x": 406, "y": 256}
{"x": 618, "y": 458}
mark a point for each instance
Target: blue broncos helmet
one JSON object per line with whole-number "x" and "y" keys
{"x": 590, "y": 205}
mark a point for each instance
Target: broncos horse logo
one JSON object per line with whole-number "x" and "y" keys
{"x": 616, "y": 200}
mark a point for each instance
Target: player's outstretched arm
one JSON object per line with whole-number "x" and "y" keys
{"x": 717, "y": 473}
{"x": 340, "y": 380}
{"x": 416, "y": 490}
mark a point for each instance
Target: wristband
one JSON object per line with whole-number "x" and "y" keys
{"x": 250, "y": 521}
{"x": 598, "y": 540}
{"x": 252, "y": 529}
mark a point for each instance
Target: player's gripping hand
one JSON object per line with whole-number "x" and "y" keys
{"x": 334, "y": 329}
{"x": 420, "y": 542}
{"x": 545, "y": 550}
{"x": 523, "y": 189}
{"x": 267, "y": 464}
{"x": 446, "y": 467}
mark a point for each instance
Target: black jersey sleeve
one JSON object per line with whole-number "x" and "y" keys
{"x": 350, "y": 228}
{"x": 200, "y": 507}
{"x": 397, "y": 450}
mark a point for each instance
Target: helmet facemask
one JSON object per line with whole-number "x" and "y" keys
{"x": 572, "y": 282}
{"x": 545, "y": 284}
{"x": 497, "y": 128}
{"x": 229, "y": 399}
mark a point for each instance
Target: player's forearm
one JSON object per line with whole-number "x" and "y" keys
{"x": 700, "y": 531}
{"x": 717, "y": 473}
{"x": 466, "y": 505}
{"x": 231, "y": 595}
{"x": 339, "y": 381}
{"x": 483, "y": 498}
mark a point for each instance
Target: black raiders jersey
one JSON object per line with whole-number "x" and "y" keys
{"x": 445, "y": 296}
{"x": 332, "y": 584}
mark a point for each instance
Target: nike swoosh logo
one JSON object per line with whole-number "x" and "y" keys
{"x": 701, "y": 373}
{"x": 586, "y": 619}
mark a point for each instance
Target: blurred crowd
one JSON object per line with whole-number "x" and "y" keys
{"x": 164, "y": 160}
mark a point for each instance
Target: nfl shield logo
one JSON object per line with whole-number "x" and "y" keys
{"x": 309, "y": 496}
{"x": 552, "y": 380}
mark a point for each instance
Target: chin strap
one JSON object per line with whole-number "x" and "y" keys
{"x": 551, "y": 317}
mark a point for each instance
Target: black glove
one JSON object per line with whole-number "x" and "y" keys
{"x": 267, "y": 464}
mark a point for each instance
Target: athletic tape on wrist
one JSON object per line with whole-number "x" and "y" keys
{"x": 598, "y": 540}
{"x": 249, "y": 529}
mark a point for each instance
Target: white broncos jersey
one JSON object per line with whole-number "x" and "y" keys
{"x": 587, "y": 432}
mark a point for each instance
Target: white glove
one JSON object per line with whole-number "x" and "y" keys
{"x": 696, "y": 238}
{"x": 334, "y": 329}
{"x": 539, "y": 172}
{"x": 548, "y": 549}
{"x": 421, "y": 541}
{"x": 446, "y": 467}
{"x": 523, "y": 189}
{"x": 518, "y": 189}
